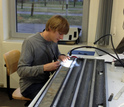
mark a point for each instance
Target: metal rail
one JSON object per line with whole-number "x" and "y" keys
{"x": 83, "y": 85}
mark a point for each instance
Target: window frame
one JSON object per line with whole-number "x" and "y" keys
{"x": 12, "y": 20}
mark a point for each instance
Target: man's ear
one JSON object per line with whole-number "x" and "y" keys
{"x": 49, "y": 29}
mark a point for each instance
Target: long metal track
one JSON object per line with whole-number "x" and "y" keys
{"x": 84, "y": 85}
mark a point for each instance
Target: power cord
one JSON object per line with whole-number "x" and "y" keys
{"x": 112, "y": 47}
{"x": 118, "y": 59}
{"x": 70, "y": 52}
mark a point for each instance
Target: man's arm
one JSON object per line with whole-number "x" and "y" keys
{"x": 25, "y": 67}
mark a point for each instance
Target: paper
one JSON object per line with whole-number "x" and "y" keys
{"x": 67, "y": 63}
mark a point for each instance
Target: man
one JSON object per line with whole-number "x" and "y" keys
{"x": 37, "y": 55}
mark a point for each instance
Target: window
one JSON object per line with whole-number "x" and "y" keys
{"x": 30, "y": 16}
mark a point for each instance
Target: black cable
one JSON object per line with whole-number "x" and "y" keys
{"x": 111, "y": 43}
{"x": 91, "y": 47}
{"x": 112, "y": 47}
{"x": 70, "y": 52}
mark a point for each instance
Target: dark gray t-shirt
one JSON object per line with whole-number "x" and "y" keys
{"x": 36, "y": 52}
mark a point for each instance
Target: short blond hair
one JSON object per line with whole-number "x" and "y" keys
{"x": 57, "y": 23}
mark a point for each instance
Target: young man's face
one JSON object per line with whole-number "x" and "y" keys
{"x": 56, "y": 36}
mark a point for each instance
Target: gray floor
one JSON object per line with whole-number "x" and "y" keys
{"x": 6, "y": 102}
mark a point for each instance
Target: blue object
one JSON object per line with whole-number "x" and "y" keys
{"x": 91, "y": 53}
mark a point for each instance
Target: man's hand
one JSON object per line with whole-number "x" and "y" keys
{"x": 51, "y": 66}
{"x": 64, "y": 58}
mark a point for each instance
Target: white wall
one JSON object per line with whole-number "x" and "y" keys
{"x": 16, "y": 44}
{"x": 1, "y": 35}
{"x": 92, "y": 21}
{"x": 117, "y": 21}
